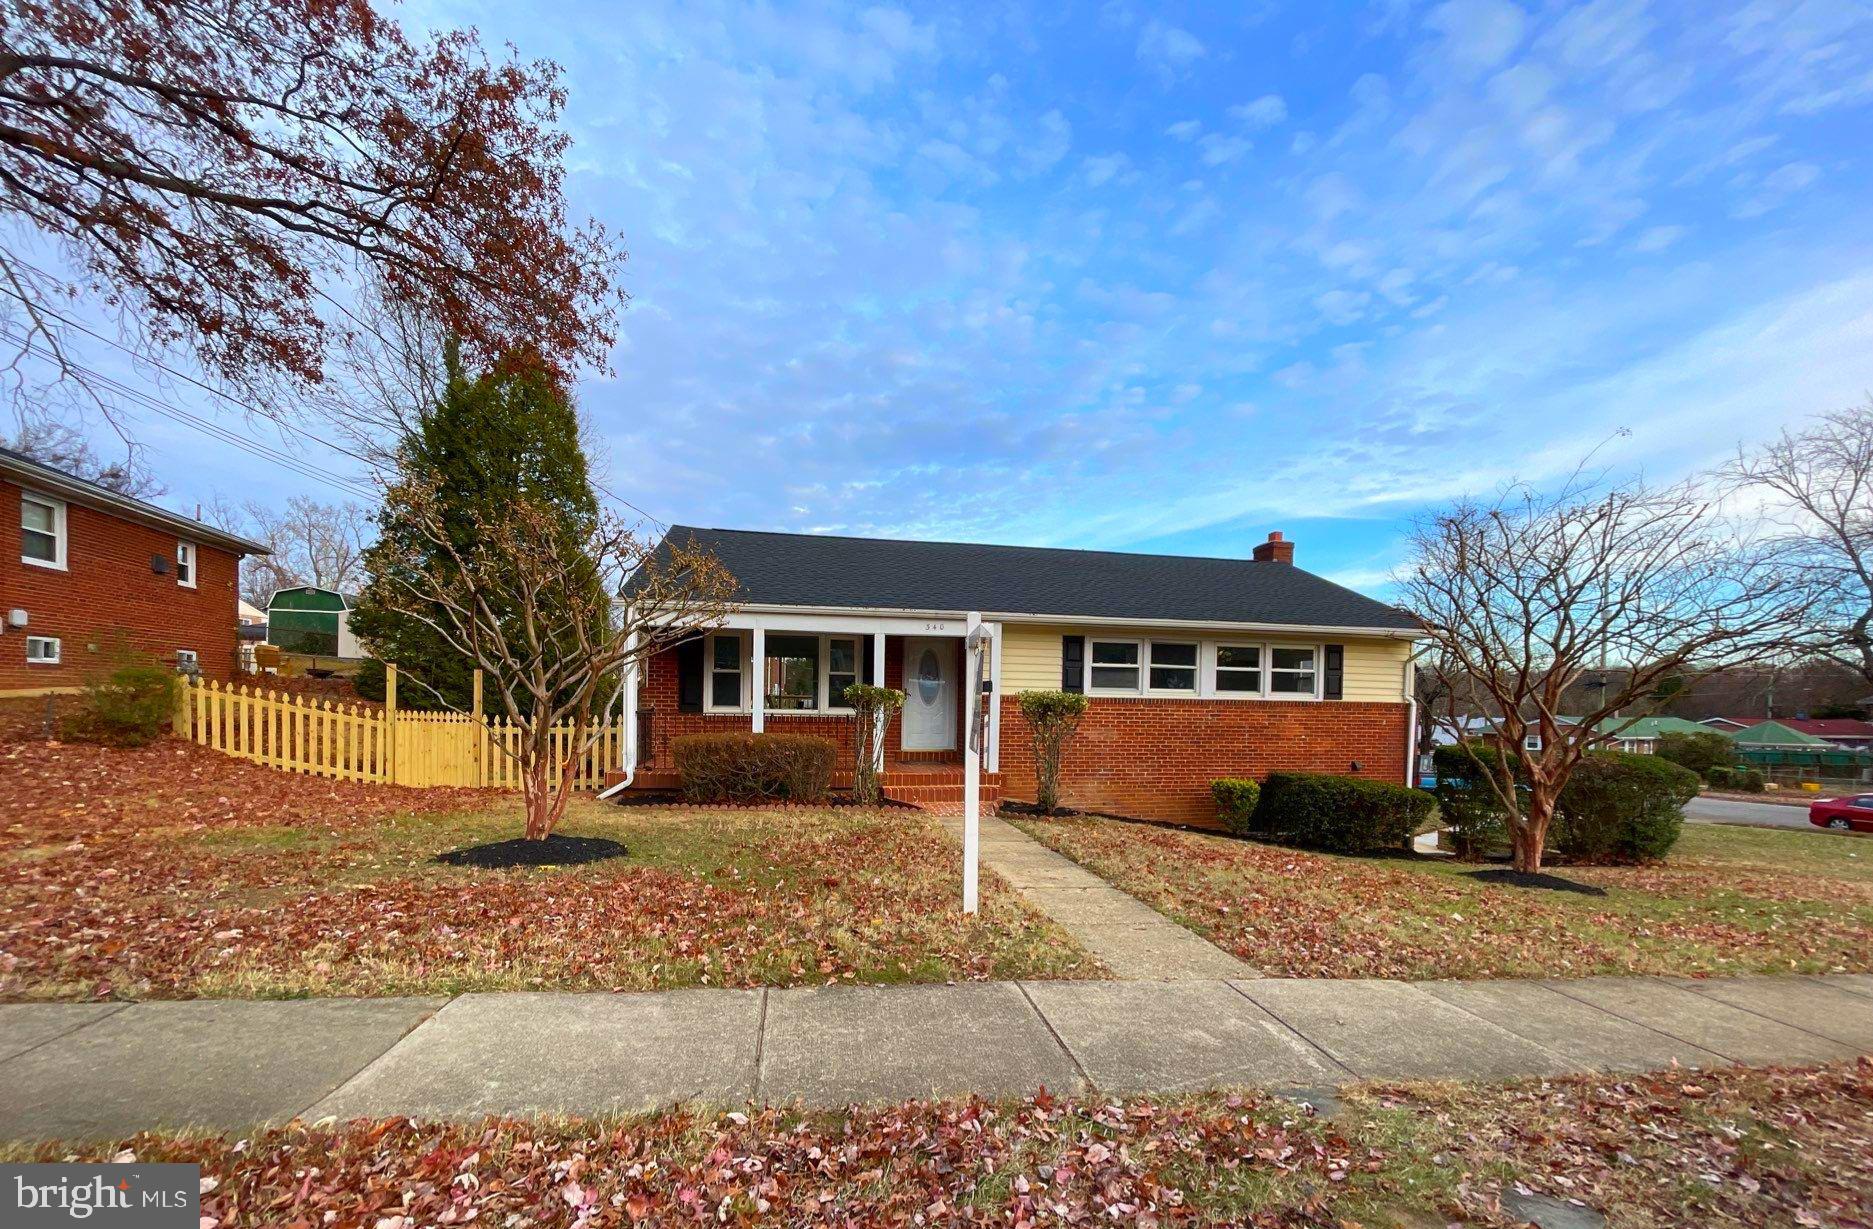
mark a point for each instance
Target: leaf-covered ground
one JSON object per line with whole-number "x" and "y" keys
{"x": 1734, "y": 1147}
{"x": 1728, "y": 900}
{"x": 173, "y": 871}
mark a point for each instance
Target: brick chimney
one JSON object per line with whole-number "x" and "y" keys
{"x": 1275, "y": 550}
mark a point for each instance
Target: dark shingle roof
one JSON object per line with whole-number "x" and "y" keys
{"x": 789, "y": 569}
{"x": 83, "y": 490}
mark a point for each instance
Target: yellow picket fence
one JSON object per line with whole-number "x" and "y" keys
{"x": 352, "y": 742}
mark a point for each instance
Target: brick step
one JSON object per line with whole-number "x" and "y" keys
{"x": 939, "y": 795}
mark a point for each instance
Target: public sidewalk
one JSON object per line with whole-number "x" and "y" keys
{"x": 86, "y": 1070}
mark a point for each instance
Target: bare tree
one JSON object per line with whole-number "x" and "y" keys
{"x": 63, "y": 446}
{"x": 1820, "y": 485}
{"x": 1525, "y": 596}
{"x": 531, "y": 603}
{"x": 310, "y": 543}
{"x": 214, "y": 178}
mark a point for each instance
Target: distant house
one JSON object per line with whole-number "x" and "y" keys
{"x": 1845, "y": 732}
{"x": 81, "y": 564}
{"x": 313, "y": 622}
{"x": 1641, "y": 734}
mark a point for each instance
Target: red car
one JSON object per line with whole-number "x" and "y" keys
{"x": 1853, "y": 813}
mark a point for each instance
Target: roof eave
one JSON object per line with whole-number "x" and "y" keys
{"x": 1003, "y": 616}
{"x": 40, "y": 477}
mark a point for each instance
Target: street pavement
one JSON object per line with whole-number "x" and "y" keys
{"x": 76, "y": 1071}
{"x": 1730, "y": 811}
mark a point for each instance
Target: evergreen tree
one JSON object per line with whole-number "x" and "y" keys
{"x": 490, "y": 438}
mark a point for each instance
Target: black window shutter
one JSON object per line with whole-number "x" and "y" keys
{"x": 1335, "y": 681}
{"x": 689, "y": 676}
{"x": 1073, "y": 663}
{"x": 864, "y": 660}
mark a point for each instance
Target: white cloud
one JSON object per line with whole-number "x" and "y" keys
{"x": 1184, "y": 130}
{"x": 1658, "y": 238}
{"x": 1219, "y": 149}
{"x": 1774, "y": 189}
{"x": 1264, "y": 112}
{"x": 1101, "y": 168}
{"x": 1169, "y": 49}
{"x": 1478, "y": 34}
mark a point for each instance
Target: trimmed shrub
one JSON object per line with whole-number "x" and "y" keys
{"x": 1621, "y": 807}
{"x": 754, "y": 767}
{"x": 1743, "y": 780}
{"x": 1698, "y": 752}
{"x": 129, "y": 706}
{"x": 1318, "y": 810}
{"x": 1472, "y": 814}
{"x": 1720, "y": 777}
{"x": 1052, "y": 716}
{"x": 1235, "y": 802}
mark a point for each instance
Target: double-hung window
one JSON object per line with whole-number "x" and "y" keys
{"x": 185, "y": 564}
{"x": 1239, "y": 669}
{"x": 841, "y": 669}
{"x": 1173, "y": 666}
{"x": 1291, "y": 672}
{"x": 725, "y": 671}
{"x": 791, "y": 682}
{"x": 1112, "y": 665}
{"x": 42, "y": 531}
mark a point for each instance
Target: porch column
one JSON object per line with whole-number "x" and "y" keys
{"x": 877, "y": 680}
{"x": 758, "y": 667}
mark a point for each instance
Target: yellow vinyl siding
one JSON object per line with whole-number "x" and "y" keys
{"x": 1375, "y": 669}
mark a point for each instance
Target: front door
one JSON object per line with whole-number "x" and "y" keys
{"x": 929, "y": 695}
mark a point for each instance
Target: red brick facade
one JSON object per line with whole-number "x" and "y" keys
{"x": 107, "y": 585}
{"x": 1155, "y": 758}
{"x": 1143, "y": 757}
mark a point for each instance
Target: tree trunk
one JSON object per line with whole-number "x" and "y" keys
{"x": 539, "y": 800}
{"x": 1530, "y": 840}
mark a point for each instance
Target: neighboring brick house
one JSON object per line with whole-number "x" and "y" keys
{"x": 1196, "y": 668}
{"x": 80, "y": 564}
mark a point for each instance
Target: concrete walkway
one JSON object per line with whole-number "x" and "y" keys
{"x": 84, "y": 1070}
{"x": 1133, "y": 940}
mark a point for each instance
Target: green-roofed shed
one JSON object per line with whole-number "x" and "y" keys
{"x": 312, "y": 620}
{"x": 1641, "y": 734}
{"x": 1766, "y": 734}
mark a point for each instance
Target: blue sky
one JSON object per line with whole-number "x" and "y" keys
{"x": 1167, "y": 277}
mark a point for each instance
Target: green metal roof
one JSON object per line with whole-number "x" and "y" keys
{"x": 1775, "y": 734}
{"x": 1651, "y": 727}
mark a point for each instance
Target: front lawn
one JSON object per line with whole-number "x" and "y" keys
{"x": 1728, "y": 900}
{"x": 1731, "y": 1147}
{"x": 172, "y": 871}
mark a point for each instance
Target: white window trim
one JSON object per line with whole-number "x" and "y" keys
{"x": 1212, "y": 656}
{"x": 57, "y": 650}
{"x": 826, "y": 706}
{"x": 194, "y": 562}
{"x": 709, "y": 672}
{"x": 1266, "y": 655}
{"x": 195, "y": 659}
{"x": 1142, "y": 666}
{"x": 1195, "y": 668}
{"x": 1269, "y": 671}
{"x": 60, "y": 534}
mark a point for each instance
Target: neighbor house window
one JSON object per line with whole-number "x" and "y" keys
{"x": 1173, "y": 666}
{"x": 1531, "y": 741}
{"x": 187, "y": 662}
{"x": 42, "y": 650}
{"x": 1290, "y": 672}
{"x": 791, "y": 678}
{"x": 725, "y": 672}
{"x": 1239, "y": 669}
{"x": 42, "y": 531}
{"x": 185, "y": 564}
{"x": 1114, "y": 665}
{"x": 841, "y": 669}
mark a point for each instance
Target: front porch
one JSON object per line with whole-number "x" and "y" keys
{"x": 787, "y": 673}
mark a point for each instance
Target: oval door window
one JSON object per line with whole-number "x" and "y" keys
{"x": 929, "y": 676}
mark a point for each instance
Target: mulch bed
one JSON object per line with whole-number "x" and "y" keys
{"x": 555, "y": 850}
{"x": 1028, "y": 808}
{"x": 1538, "y": 879}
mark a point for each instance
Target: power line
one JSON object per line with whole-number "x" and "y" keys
{"x": 203, "y": 425}
{"x": 272, "y": 416}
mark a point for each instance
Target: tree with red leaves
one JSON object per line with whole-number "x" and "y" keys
{"x": 225, "y": 177}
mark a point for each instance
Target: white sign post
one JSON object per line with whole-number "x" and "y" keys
{"x": 975, "y": 673}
